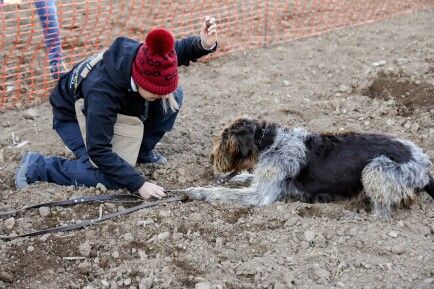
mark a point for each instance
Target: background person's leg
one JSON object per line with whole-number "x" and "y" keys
{"x": 47, "y": 13}
{"x": 156, "y": 125}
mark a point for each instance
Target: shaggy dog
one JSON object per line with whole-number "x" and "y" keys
{"x": 312, "y": 167}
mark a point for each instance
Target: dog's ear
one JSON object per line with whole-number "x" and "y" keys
{"x": 242, "y": 137}
{"x": 233, "y": 144}
{"x": 246, "y": 143}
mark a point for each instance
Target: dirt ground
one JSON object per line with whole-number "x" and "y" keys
{"x": 376, "y": 78}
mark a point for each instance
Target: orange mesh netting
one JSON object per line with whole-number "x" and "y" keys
{"x": 88, "y": 26}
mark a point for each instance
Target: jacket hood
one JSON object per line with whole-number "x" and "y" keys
{"x": 118, "y": 60}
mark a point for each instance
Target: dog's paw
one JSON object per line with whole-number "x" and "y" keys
{"x": 195, "y": 193}
{"x": 243, "y": 179}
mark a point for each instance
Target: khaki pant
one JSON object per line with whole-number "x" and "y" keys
{"x": 127, "y": 134}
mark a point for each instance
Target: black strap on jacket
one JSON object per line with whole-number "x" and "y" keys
{"x": 82, "y": 70}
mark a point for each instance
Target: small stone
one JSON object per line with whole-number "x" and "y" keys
{"x": 398, "y": 249}
{"x": 84, "y": 268}
{"x": 320, "y": 273}
{"x": 340, "y": 232}
{"x": 353, "y": 231}
{"x": 88, "y": 287}
{"x": 342, "y": 88}
{"x": 414, "y": 127}
{"x": 115, "y": 254}
{"x": 85, "y": 249}
{"x": 101, "y": 188}
{"x": 164, "y": 213}
{"x": 202, "y": 285}
{"x": 10, "y": 223}
{"x": 146, "y": 283}
{"x": 428, "y": 280}
{"x": 44, "y": 211}
{"x": 309, "y": 236}
{"x": 105, "y": 283}
{"x": 44, "y": 238}
{"x": 401, "y": 223}
{"x": 30, "y": 114}
{"x": 400, "y": 61}
{"x": 321, "y": 241}
{"x": 286, "y": 82}
{"x": 292, "y": 221}
{"x": 379, "y": 63}
{"x": 6, "y": 277}
{"x": 393, "y": 234}
{"x": 128, "y": 237}
{"x": 30, "y": 249}
{"x": 163, "y": 236}
{"x": 181, "y": 171}
{"x": 219, "y": 242}
{"x": 127, "y": 282}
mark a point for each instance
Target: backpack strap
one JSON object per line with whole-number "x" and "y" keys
{"x": 82, "y": 70}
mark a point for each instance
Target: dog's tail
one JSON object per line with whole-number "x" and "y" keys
{"x": 430, "y": 187}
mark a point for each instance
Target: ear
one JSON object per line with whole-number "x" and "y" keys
{"x": 233, "y": 145}
{"x": 219, "y": 155}
{"x": 246, "y": 144}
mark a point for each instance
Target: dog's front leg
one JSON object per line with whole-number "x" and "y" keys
{"x": 263, "y": 191}
{"x": 244, "y": 179}
{"x": 247, "y": 196}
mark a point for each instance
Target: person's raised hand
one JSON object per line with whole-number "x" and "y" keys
{"x": 208, "y": 33}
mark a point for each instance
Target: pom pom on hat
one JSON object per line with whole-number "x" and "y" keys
{"x": 160, "y": 41}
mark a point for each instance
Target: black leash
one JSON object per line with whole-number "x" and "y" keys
{"x": 89, "y": 222}
{"x": 124, "y": 198}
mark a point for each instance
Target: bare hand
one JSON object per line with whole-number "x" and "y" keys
{"x": 149, "y": 190}
{"x": 208, "y": 33}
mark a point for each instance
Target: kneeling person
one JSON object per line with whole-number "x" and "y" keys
{"x": 130, "y": 79}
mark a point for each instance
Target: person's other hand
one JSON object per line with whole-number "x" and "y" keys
{"x": 208, "y": 33}
{"x": 149, "y": 190}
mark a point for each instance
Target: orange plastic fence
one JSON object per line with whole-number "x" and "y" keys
{"x": 89, "y": 26}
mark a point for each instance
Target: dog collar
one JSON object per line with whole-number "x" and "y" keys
{"x": 263, "y": 134}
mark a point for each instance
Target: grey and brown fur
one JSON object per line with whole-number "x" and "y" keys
{"x": 312, "y": 167}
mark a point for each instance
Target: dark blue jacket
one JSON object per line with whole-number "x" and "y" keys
{"x": 107, "y": 91}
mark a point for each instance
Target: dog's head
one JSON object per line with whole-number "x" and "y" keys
{"x": 234, "y": 149}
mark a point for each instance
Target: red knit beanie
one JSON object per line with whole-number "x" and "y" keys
{"x": 155, "y": 67}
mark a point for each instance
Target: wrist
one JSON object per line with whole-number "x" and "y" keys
{"x": 208, "y": 47}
